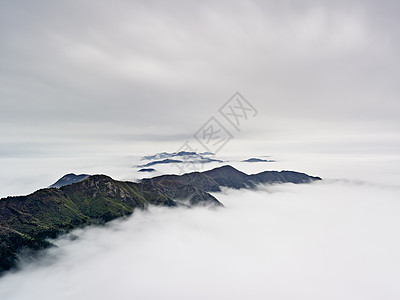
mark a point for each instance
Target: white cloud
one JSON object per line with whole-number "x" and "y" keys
{"x": 331, "y": 240}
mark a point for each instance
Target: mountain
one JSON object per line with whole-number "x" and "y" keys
{"x": 69, "y": 179}
{"x": 228, "y": 176}
{"x": 281, "y": 177}
{"x": 164, "y": 155}
{"x": 251, "y": 160}
{"x": 160, "y": 162}
{"x": 147, "y": 170}
{"x": 26, "y": 222}
{"x": 177, "y": 157}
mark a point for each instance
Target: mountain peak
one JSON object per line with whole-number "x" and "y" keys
{"x": 69, "y": 179}
{"x": 228, "y": 176}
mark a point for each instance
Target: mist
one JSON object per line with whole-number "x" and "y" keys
{"x": 335, "y": 239}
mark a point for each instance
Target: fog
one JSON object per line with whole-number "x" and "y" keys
{"x": 335, "y": 239}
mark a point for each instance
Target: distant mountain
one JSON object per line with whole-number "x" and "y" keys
{"x": 158, "y": 156}
{"x": 281, "y": 177}
{"x": 69, "y": 179}
{"x": 161, "y": 162}
{"x": 251, "y": 160}
{"x": 164, "y": 155}
{"x": 203, "y": 160}
{"x": 177, "y": 157}
{"x": 28, "y": 221}
{"x": 147, "y": 170}
{"x": 228, "y": 176}
{"x": 206, "y": 153}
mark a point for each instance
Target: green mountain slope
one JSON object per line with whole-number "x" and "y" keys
{"x": 28, "y": 221}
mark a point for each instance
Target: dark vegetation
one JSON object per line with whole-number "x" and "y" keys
{"x": 27, "y": 222}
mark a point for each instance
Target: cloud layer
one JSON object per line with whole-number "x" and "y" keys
{"x": 331, "y": 240}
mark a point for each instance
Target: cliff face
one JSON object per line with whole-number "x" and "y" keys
{"x": 27, "y": 221}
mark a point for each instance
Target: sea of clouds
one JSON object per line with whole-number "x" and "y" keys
{"x": 335, "y": 239}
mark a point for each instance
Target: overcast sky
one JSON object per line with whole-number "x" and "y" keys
{"x": 144, "y": 76}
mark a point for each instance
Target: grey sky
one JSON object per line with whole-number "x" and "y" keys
{"x": 79, "y": 74}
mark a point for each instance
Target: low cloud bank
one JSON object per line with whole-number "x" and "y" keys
{"x": 330, "y": 240}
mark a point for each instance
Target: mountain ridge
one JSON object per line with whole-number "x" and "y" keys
{"x": 28, "y": 221}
